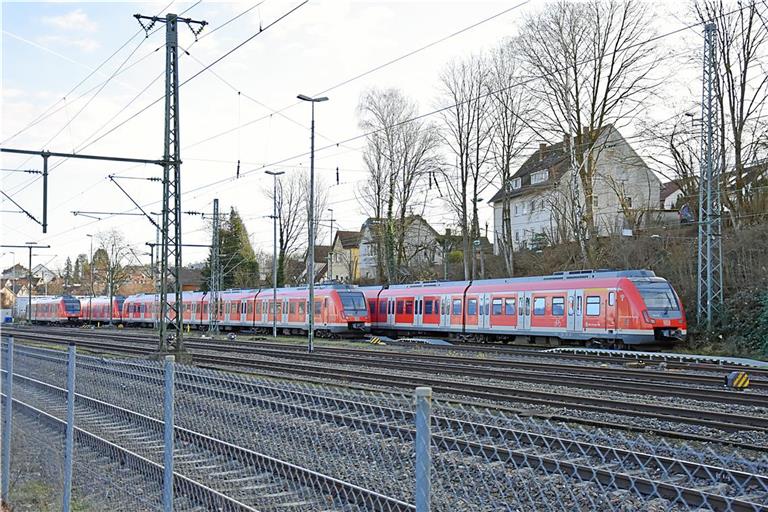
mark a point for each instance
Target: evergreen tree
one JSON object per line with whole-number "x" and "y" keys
{"x": 67, "y": 274}
{"x": 239, "y": 266}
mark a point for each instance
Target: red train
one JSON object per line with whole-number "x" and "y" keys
{"x": 96, "y": 309}
{"x": 612, "y": 308}
{"x": 338, "y": 310}
{"x": 64, "y": 309}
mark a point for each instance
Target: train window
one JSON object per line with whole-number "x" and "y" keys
{"x": 428, "y": 307}
{"x": 318, "y": 307}
{"x": 399, "y": 307}
{"x": 593, "y": 305}
{"x": 279, "y": 306}
{"x": 383, "y": 307}
{"x": 570, "y": 306}
{"x": 509, "y": 306}
{"x": 611, "y": 298}
{"x": 457, "y": 307}
{"x": 372, "y": 307}
{"x": 558, "y": 306}
{"x": 497, "y": 307}
{"x": 472, "y": 307}
{"x": 539, "y": 306}
{"x": 228, "y": 307}
{"x": 292, "y": 308}
{"x": 243, "y": 307}
{"x": 250, "y": 307}
{"x": 409, "y": 307}
{"x": 302, "y": 308}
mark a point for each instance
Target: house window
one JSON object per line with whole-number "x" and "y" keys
{"x": 517, "y": 210}
{"x": 516, "y": 183}
{"x": 539, "y": 177}
{"x": 533, "y": 206}
{"x": 517, "y": 236}
{"x": 593, "y": 306}
{"x": 525, "y": 208}
{"x": 595, "y": 202}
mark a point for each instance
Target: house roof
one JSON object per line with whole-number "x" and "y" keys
{"x": 321, "y": 253}
{"x": 348, "y": 239}
{"x": 667, "y": 189}
{"x": 551, "y": 157}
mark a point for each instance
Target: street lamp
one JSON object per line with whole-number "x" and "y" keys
{"x": 330, "y": 249}
{"x": 274, "y": 175}
{"x": 311, "y": 262}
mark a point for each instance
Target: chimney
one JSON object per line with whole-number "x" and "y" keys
{"x": 447, "y": 232}
{"x": 542, "y": 149}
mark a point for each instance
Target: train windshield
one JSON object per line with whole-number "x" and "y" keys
{"x": 71, "y": 305}
{"x": 658, "y": 297}
{"x": 353, "y": 302}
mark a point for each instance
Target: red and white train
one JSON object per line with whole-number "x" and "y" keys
{"x": 612, "y": 308}
{"x": 64, "y": 309}
{"x": 338, "y": 309}
{"x": 616, "y": 308}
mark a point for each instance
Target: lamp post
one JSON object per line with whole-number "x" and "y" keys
{"x": 330, "y": 249}
{"x": 311, "y": 220}
{"x": 274, "y": 175}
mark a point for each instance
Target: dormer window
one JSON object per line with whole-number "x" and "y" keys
{"x": 516, "y": 183}
{"x": 539, "y": 177}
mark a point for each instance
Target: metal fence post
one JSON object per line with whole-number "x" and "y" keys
{"x": 7, "y": 419}
{"x": 69, "y": 443}
{"x": 423, "y": 462}
{"x": 168, "y": 435}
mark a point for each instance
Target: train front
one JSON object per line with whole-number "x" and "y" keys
{"x": 354, "y": 309}
{"x": 663, "y": 309}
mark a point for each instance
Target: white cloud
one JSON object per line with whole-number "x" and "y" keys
{"x": 81, "y": 43}
{"x": 75, "y": 20}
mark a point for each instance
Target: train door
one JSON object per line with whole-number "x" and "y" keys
{"x": 524, "y": 311}
{"x": 576, "y": 310}
{"x": 610, "y": 312}
{"x": 485, "y": 310}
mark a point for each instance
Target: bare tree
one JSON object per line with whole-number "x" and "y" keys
{"x": 508, "y": 111}
{"x": 399, "y": 154}
{"x": 291, "y": 221}
{"x": 595, "y": 65}
{"x": 115, "y": 252}
{"x": 741, "y": 84}
{"x": 467, "y": 132}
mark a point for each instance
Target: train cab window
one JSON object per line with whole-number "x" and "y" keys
{"x": 558, "y": 306}
{"x": 383, "y": 307}
{"x": 457, "y": 307}
{"x": 611, "y": 298}
{"x": 428, "y": 307}
{"x": 509, "y": 306}
{"x": 399, "y": 307}
{"x": 472, "y": 307}
{"x": 409, "y": 307}
{"x": 497, "y": 307}
{"x": 539, "y": 306}
{"x": 593, "y": 305}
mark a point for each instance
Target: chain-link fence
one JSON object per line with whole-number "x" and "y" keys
{"x": 88, "y": 433}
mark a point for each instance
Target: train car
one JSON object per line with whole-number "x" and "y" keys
{"x": 96, "y": 309}
{"x": 606, "y": 308}
{"x": 63, "y": 309}
{"x": 338, "y": 310}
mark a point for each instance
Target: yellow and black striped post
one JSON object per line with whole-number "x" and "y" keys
{"x": 737, "y": 380}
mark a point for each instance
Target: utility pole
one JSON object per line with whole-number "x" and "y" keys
{"x": 710, "y": 275}
{"x": 213, "y": 303}
{"x": 274, "y": 175}
{"x": 171, "y": 314}
{"x": 311, "y": 222}
{"x": 330, "y": 249}
{"x": 29, "y": 246}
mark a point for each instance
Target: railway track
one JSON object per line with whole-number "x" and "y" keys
{"x": 693, "y": 484}
{"x": 305, "y": 368}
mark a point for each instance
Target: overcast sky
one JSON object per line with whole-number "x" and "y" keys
{"x": 49, "y": 48}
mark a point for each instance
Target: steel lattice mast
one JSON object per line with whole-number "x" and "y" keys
{"x": 215, "y": 285}
{"x": 171, "y": 314}
{"x": 710, "y": 270}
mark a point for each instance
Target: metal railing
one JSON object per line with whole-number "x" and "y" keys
{"x": 92, "y": 433}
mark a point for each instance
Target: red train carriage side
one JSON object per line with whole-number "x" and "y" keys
{"x": 631, "y": 307}
{"x": 96, "y": 309}
{"x": 64, "y": 309}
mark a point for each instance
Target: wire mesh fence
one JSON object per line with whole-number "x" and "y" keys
{"x": 149, "y": 435}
